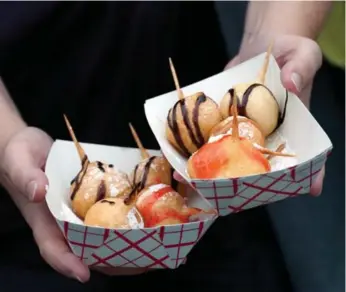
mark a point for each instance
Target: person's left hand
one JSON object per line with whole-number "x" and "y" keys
{"x": 299, "y": 59}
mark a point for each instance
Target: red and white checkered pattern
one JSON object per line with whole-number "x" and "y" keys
{"x": 160, "y": 248}
{"x": 235, "y": 195}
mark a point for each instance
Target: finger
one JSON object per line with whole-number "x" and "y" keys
{"x": 52, "y": 245}
{"x": 24, "y": 161}
{"x": 31, "y": 182}
{"x": 317, "y": 185}
{"x": 301, "y": 65}
{"x": 179, "y": 178}
{"x": 235, "y": 61}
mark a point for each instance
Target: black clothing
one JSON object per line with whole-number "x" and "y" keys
{"x": 98, "y": 62}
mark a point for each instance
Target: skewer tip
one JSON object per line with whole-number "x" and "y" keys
{"x": 79, "y": 148}
{"x": 144, "y": 152}
{"x": 175, "y": 79}
{"x": 263, "y": 72}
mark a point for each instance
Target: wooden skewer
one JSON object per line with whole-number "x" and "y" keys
{"x": 144, "y": 152}
{"x": 263, "y": 72}
{"x": 175, "y": 79}
{"x": 280, "y": 148}
{"x": 274, "y": 153}
{"x": 80, "y": 150}
{"x": 235, "y": 124}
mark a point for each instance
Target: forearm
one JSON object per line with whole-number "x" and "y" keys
{"x": 10, "y": 119}
{"x": 303, "y": 18}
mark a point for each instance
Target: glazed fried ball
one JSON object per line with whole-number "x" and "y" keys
{"x": 256, "y": 102}
{"x": 150, "y": 171}
{"x": 190, "y": 121}
{"x": 247, "y": 129}
{"x": 95, "y": 182}
{"x": 113, "y": 213}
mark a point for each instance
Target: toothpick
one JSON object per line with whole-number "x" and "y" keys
{"x": 80, "y": 150}
{"x": 263, "y": 72}
{"x": 144, "y": 152}
{"x": 274, "y": 153}
{"x": 235, "y": 125}
{"x": 280, "y": 148}
{"x": 175, "y": 79}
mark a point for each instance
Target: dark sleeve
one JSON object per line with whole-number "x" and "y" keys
{"x": 18, "y": 21}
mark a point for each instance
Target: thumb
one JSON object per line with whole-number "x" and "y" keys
{"x": 317, "y": 186}
{"x": 178, "y": 177}
{"x": 23, "y": 163}
{"x": 301, "y": 66}
{"x": 235, "y": 61}
{"x": 52, "y": 245}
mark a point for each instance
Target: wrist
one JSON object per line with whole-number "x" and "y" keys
{"x": 274, "y": 18}
{"x": 11, "y": 121}
{"x": 13, "y": 125}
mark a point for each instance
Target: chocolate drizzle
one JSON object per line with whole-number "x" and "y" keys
{"x": 173, "y": 125}
{"x": 132, "y": 194}
{"x": 135, "y": 174}
{"x": 241, "y": 106}
{"x": 109, "y": 202}
{"x": 100, "y": 166}
{"x": 137, "y": 187}
{"x": 145, "y": 173}
{"x": 201, "y": 99}
{"x": 282, "y": 116}
{"x": 74, "y": 179}
{"x": 101, "y": 191}
{"x": 186, "y": 119}
{"x": 197, "y": 139}
{"x": 79, "y": 178}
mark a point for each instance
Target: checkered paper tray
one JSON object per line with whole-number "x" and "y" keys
{"x": 158, "y": 248}
{"x": 302, "y": 133}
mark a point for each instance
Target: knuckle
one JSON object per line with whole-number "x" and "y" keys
{"x": 315, "y": 53}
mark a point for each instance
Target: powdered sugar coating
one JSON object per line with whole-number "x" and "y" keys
{"x": 245, "y": 128}
{"x": 135, "y": 219}
{"x": 116, "y": 182}
{"x": 158, "y": 166}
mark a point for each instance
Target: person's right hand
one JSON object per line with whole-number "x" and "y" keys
{"x": 22, "y": 163}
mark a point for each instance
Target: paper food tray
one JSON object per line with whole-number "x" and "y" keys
{"x": 157, "y": 248}
{"x": 303, "y": 134}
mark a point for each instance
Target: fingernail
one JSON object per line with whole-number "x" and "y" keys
{"x": 79, "y": 279}
{"x": 46, "y": 187}
{"x": 297, "y": 81}
{"x": 317, "y": 186}
{"x": 31, "y": 190}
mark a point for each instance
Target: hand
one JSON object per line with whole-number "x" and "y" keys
{"x": 23, "y": 160}
{"x": 22, "y": 174}
{"x": 299, "y": 59}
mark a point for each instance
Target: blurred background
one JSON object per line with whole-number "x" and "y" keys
{"x": 311, "y": 231}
